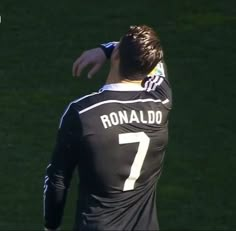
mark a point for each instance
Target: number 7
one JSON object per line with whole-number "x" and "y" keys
{"x": 143, "y": 140}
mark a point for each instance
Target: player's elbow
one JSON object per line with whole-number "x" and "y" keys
{"x": 58, "y": 182}
{"x": 57, "y": 179}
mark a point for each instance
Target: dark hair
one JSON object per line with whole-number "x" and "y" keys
{"x": 140, "y": 51}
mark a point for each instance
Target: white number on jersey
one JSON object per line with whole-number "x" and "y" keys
{"x": 143, "y": 140}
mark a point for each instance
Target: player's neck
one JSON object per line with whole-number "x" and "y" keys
{"x": 115, "y": 77}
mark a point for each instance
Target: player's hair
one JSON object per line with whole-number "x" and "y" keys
{"x": 140, "y": 51}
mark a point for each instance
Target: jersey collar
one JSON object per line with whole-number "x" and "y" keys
{"x": 122, "y": 87}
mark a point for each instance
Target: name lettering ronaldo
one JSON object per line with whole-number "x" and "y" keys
{"x": 124, "y": 117}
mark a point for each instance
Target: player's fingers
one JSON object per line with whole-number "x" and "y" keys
{"x": 80, "y": 67}
{"x": 82, "y": 58}
{"x": 76, "y": 65}
{"x": 94, "y": 70}
{"x": 74, "y": 68}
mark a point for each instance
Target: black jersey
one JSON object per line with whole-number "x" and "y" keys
{"x": 116, "y": 138}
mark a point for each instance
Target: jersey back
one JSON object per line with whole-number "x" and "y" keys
{"x": 123, "y": 141}
{"x": 117, "y": 138}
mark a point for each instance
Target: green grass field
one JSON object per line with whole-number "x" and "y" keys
{"x": 39, "y": 42}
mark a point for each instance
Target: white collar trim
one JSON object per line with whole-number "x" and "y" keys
{"x": 122, "y": 87}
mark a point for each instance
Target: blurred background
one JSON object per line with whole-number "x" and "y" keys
{"x": 39, "y": 42}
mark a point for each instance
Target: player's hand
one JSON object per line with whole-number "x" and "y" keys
{"x": 94, "y": 58}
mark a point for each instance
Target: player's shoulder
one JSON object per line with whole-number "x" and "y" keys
{"x": 86, "y": 101}
{"x": 74, "y": 107}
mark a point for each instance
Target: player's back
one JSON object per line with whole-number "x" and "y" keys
{"x": 123, "y": 141}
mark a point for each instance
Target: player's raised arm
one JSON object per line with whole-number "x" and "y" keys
{"x": 94, "y": 57}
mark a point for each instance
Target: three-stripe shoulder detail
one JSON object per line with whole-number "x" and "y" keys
{"x": 153, "y": 82}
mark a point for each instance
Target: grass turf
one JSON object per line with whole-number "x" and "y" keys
{"x": 38, "y": 44}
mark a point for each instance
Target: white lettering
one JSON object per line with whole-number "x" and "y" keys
{"x": 114, "y": 118}
{"x": 158, "y": 117}
{"x": 151, "y": 117}
{"x": 123, "y": 117}
{"x": 105, "y": 120}
{"x": 142, "y": 118}
{"x": 133, "y": 117}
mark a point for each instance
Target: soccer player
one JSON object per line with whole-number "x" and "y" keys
{"x": 116, "y": 139}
